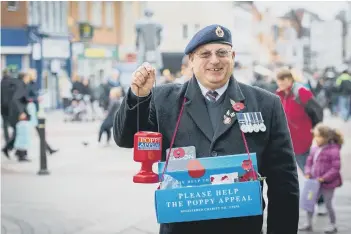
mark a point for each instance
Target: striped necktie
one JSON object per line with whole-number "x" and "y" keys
{"x": 211, "y": 96}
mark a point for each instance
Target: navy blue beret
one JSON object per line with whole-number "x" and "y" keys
{"x": 211, "y": 34}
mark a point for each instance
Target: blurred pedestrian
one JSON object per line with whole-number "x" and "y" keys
{"x": 104, "y": 90}
{"x": 343, "y": 84}
{"x": 167, "y": 77}
{"x": 33, "y": 97}
{"x": 114, "y": 104}
{"x": 324, "y": 164}
{"x": 7, "y": 91}
{"x": 65, "y": 87}
{"x": 77, "y": 85}
{"x": 17, "y": 110}
{"x": 186, "y": 71}
{"x": 331, "y": 93}
{"x": 299, "y": 122}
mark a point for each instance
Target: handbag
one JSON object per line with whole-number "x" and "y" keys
{"x": 309, "y": 195}
{"x": 23, "y": 134}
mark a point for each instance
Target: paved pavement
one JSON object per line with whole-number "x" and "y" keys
{"x": 90, "y": 190}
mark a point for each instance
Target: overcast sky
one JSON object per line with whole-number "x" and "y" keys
{"x": 326, "y": 10}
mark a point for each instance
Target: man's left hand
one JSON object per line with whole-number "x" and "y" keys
{"x": 321, "y": 180}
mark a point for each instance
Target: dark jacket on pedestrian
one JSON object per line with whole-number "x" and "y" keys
{"x": 7, "y": 91}
{"x": 33, "y": 94}
{"x": 273, "y": 147}
{"x": 78, "y": 86}
{"x": 112, "y": 109}
{"x": 18, "y": 102}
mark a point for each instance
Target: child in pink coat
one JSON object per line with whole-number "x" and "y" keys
{"x": 323, "y": 163}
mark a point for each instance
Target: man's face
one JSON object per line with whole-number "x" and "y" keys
{"x": 284, "y": 84}
{"x": 33, "y": 74}
{"x": 213, "y": 64}
{"x": 27, "y": 78}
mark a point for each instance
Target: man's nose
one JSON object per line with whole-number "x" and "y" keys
{"x": 214, "y": 59}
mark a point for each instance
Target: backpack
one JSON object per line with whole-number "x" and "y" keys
{"x": 312, "y": 108}
{"x": 346, "y": 87}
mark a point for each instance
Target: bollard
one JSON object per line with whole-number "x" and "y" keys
{"x": 43, "y": 162}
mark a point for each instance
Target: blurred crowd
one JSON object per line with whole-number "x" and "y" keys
{"x": 82, "y": 102}
{"x": 331, "y": 87}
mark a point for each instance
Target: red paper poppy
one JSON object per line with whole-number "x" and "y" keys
{"x": 179, "y": 153}
{"x": 224, "y": 178}
{"x": 238, "y": 106}
{"x": 246, "y": 165}
{"x": 248, "y": 176}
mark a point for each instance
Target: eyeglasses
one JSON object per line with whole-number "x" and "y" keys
{"x": 221, "y": 53}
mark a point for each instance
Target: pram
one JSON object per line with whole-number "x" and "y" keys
{"x": 80, "y": 109}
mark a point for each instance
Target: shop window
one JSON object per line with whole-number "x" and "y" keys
{"x": 96, "y": 12}
{"x": 12, "y": 5}
{"x": 82, "y": 8}
{"x": 109, "y": 14}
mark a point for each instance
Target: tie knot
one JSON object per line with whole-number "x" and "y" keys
{"x": 212, "y": 95}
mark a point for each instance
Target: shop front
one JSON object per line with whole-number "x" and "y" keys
{"x": 55, "y": 59}
{"x": 89, "y": 60}
{"x": 15, "y": 49}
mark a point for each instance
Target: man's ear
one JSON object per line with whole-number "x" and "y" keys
{"x": 233, "y": 54}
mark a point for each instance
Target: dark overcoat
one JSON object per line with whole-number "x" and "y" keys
{"x": 19, "y": 101}
{"x": 273, "y": 147}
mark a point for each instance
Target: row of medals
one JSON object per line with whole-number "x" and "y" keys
{"x": 249, "y": 122}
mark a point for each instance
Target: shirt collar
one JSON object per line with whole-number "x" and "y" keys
{"x": 220, "y": 91}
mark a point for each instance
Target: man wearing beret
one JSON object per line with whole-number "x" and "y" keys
{"x": 204, "y": 124}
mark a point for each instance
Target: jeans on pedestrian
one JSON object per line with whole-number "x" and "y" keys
{"x": 344, "y": 107}
{"x": 328, "y": 195}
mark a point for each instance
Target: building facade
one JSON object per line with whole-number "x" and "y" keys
{"x": 180, "y": 24}
{"x": 96, "y": 34}
{"x": 35, "y": 35}
{"x": 15, "y": 48}
{"x": 49, "y": 39}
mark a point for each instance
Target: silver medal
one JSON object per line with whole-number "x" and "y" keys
{"x": 256, "y": 128}
{"x": 262, "y": 126}
{"x": 243, "y": 128}
{"x": 250, "y": 128}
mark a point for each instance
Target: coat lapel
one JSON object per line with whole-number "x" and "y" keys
{"x": 233, "y": 93}
{"x": 196, "y": 107}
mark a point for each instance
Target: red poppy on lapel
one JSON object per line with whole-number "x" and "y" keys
{"x": 238, "y": 106}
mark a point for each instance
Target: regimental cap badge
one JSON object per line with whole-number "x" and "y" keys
{"x": 219, "y": 32}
